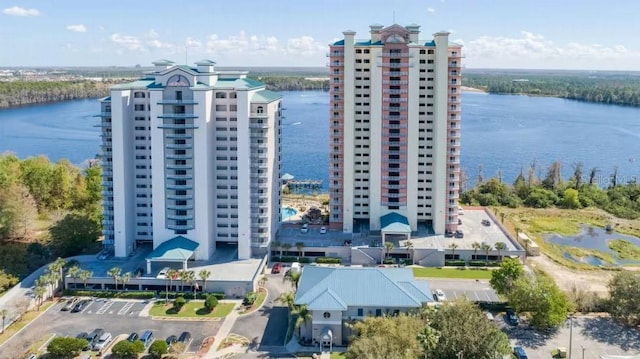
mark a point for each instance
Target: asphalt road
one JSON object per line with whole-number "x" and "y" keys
{"x": 115, "y": 317}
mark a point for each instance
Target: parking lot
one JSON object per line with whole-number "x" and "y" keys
{"x": 114, "y": 316}
{"x": 477, "y": 291}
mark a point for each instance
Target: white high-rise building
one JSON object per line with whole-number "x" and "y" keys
{"x": 191, "y": 152}
{"x": 395, "y": 131}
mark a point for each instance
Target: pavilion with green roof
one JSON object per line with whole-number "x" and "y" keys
{"x": 394, "y": 223}
{"x": 177, "y": 249}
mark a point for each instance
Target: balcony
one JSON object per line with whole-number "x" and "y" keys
{"x": 264, "y": 196}
{"x": 174, "y": 197}
{"x": 179, "y": 187}
{"x": 393, "y": 152}
{"x": 395, "y": 82}
{"x": 175, "y": 207}
{"x": 180, "y": 217}
{"x": 181, "y": 227}
{"x": 181, "y": 116}
{"x": 394, "y": 100}
{"x": 259, "y": 134}
{"x": 173, "y": 126}
{"x": 394, "y": 65}
{"x": 454, "y": 161}
{"x": 335, "y": 54}
{"x": 454, "y": 64}
{"x": 388, "y": 203}
{"x": 394, "y": 126}
{"x": 172, "y": 136}
{"x": 395, "y": 91}
{"x": 393, "y": 178}
{"x": 187, "y": 176}
{"x": 259, "y": 156}
{"x": 394, "y": 108}
{"x": 173, "y": 156}
{"x": 395, "y": 54}
{"x": 395, "y": 73}
{"x": 179, "y": 146}
{"x": 179, "y": 167}
{"x": 258, "y": 115}
{"x": 107, "y": 184}
{"x": 259, "y": 125}
{"x": 177, "y": 102}
{"x": 393, "y": 186}
{"x": 453, "y": 196}
{"x": 395, "y": 117}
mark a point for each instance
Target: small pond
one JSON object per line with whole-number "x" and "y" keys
{"x": 596, "y": 238}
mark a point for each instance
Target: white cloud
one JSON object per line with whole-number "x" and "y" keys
{"x": 155, "y": 43}
{"x": 20, "y": 11}
{"x": 149, "y": 40}
{"x": 128, "y": 42}
{"x": 305, "y": 45}
{"x": 192, "y": 43}
{"x": 430, "y": 9}
{"x": 535, "y": 51}
{"x": 77, "y": 28}
{"x": 262, "y": 45}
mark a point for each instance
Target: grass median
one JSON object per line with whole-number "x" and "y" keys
{"x": 27, "y": 318}
{"x": 192, "y": 309}
{"x": 455, "y": 273}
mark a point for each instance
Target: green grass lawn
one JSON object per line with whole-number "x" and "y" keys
{"x": 262, "y": 295}
{"x": 26, "y": 319}
{"x": 625, "y": 249}
{"x": 431, "y": 272}
{"x": 191, "y": 310}
{"x": 336, "y": 355}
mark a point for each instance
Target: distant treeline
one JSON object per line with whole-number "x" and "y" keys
{"x": 293, "y": 83}
{"x": 609, "y": 88}
{"x": 19, "y": 93}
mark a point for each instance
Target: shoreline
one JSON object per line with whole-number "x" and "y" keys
{"x": 471, "y": 89}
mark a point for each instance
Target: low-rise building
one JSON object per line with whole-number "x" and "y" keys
{"x": 336, "y": 296}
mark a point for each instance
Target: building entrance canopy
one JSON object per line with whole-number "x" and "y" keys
{"x": 394, "y": 223}
{"x": 177, "y": 249}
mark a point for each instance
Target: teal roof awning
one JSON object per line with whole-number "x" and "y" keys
{"x": 394, "y": 222}
{"x": 177, "y": 249}
{"x": 265, "y": 96}
{"x": 287, "y": 177}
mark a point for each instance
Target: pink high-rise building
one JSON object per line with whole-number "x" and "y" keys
{"x": 395, "y": 131}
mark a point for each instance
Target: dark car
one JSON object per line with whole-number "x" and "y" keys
{"x": 519, "y": 353}
{"x": 172, "y": 339}
{"x": 512, "y": 318}
{"x": 69, "y": 304}
{"x": 448, "y": 233}
{"x": 184, "y": 338}
{"x": 94, "y": 335}
{"x": 459, "y": 234}
{"x": 132, "y": 337}
{"x": 277, "y": 268}
{"x": 486, "y": 222}
{"x": 80, "y": 306}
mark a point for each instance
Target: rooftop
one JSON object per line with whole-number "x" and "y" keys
{"x": 336, "y": 288}
{"x": 265, "y": 96}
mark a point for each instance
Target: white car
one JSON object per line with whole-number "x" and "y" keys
{"x": 163, "y": 273}
{"x": 305, "y": 228}
{"x": 439, "y": 295}
{"x": 323, "y": 230}
{"x": 102, "y": 342}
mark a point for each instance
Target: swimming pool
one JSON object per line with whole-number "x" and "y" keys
{"x": 286, "y": 212}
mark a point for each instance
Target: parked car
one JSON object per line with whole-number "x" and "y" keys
{"x": 519, "y": 353}
{"x": 102, "y": 342}
{"x": 305, "y": 228}
{"x": 147, "y": 338}
{"x": 486, "y": 222}
{"x": 277, "y": 268}
{"x": 512, "y": 318}
{"x": 459, "y": 234}
{"x": 323, "y": 230}
{"x": 83, "y": 335}
{"x": 132, "y": 337}
{"x": 448, "y": 233}
{"x": 94, "y": 335}
{"x": 439, "y": 295}
{"x": 31, "y": 356}
{"x": 69, "y": 304}
{"x": 184, "y": 338}
{"x": 78, "y": 307}
{"x": 172, "y": 339}
{"x": 163, "y": 273}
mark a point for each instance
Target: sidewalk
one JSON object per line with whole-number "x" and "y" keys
{"x": 224, "y": 331}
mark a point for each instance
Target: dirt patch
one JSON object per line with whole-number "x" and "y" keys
{"x": 567, "y": 279}
{"x": 205, "y": 346}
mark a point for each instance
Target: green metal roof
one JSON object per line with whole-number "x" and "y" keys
{"x": 394, "y": 222}
{"x": 265, "y": 96}
{"x": 238, "y": 83}
{"x": 337, "y": 288}
{"x": 138, "y": 84}
{"x": 176, "y": 249}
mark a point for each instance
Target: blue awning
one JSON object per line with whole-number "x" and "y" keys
{"x": 394, "y": 223}
{"x": 177, "y": 249}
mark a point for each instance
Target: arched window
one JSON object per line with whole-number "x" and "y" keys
{"x": 260, "y": 109}
{"x": 326, "y": 315}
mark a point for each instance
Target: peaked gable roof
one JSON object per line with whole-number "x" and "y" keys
{"x": 394, "y": 222}
{"x": 176, "y": 249}
{"x": 336, "y": 288}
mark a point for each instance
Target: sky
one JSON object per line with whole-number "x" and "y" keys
{"x": 528, "y": 34}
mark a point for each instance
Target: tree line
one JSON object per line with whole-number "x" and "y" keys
{"x": 293, "y": 83}
{"x": 582, "y": 189}
{"x": 20, "y": 93}
{"x": 46, "y": 210}
{"x": 618, "y": 89}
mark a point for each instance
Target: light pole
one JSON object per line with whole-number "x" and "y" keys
{"x": 570, "y": 336}
{"x": 583, "y": 349}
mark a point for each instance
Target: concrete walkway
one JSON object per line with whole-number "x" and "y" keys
{"x": 223, "y": 333}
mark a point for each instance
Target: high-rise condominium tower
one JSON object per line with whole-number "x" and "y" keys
{"x": 191, "y": 152}
{"x": 395, "y": 129}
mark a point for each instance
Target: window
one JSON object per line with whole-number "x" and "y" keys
{"x": 221, "y": 95}
{"x": 360, "y": 312}
{"x": 139, "y": 94}
{"x": 260, "y": 109}
{"x": 326, "y": 315}
{"x": 179, "y": 95}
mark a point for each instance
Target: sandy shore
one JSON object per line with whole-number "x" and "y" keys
{"x": 470, "y": 89}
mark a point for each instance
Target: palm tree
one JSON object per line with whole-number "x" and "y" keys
{"x": 284, "y": 247}
{"x": 428, "y": 339}
{"x": 453, "y": 247}
{"x": 39, "y": 292}
{"x": 303, "y": 316}
{"x": 125, "y": 279}
{"x": 262, "y": 281}
{"x": 409, "y": 246}
{"x": 204, "y": 275}
{"x": 475, "y": 246}
{"x": 294, "y": 278}
{"x": 388, "y": 246}
{"x": 4, "y": 314}
{"x": 42, "y": 282}
{"x": 184, "y": 277}
{"x": 171, "y": 275}
{"x": 299, "y": 246}
{"x": 190, "y": 278}
{"x": 115, "y": 274}
{"x": 277, "y": 245}
{"x": 74, "y": 272}
{"x": 486, "y": 248}
{"x": 500, "y": 246}
{"x": 51, "y": 278}
{"x": 84, "y": 276}
{"x": 58, "y": 266}
{"x": 287, "y": 298}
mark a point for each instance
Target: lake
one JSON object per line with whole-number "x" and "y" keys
{"x": 500, "y": 132}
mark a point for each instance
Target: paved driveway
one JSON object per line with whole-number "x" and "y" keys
{"x": 474, "y": 290}
{"x": 267, "y": 327}
{"x": 116, "y": 317}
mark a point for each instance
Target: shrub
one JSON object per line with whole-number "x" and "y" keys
{"x": 211, "y": 302}
{"x": 479, "y": 263}
{"x": 158, "y": 348}
{"x": 145, "y": 294}
{"x": 388, "y": 261}
{"x": 290, "y": 259}
{"x": 328, "y": 260}
{"x": 124, "y": 349}
{"x": 199, "y": 295}
{"x": 250, "y": 298}
{"x": 455, "y": 263}
{"x": 66, "y": 347}
{"x": 407, "y": 262}
{"x": 176, "y": 348}
{"x": 179, "y": 302}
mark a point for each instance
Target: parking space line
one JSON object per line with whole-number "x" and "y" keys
{"x": 126, "y": 308}
{"x": 105, "y": 307}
